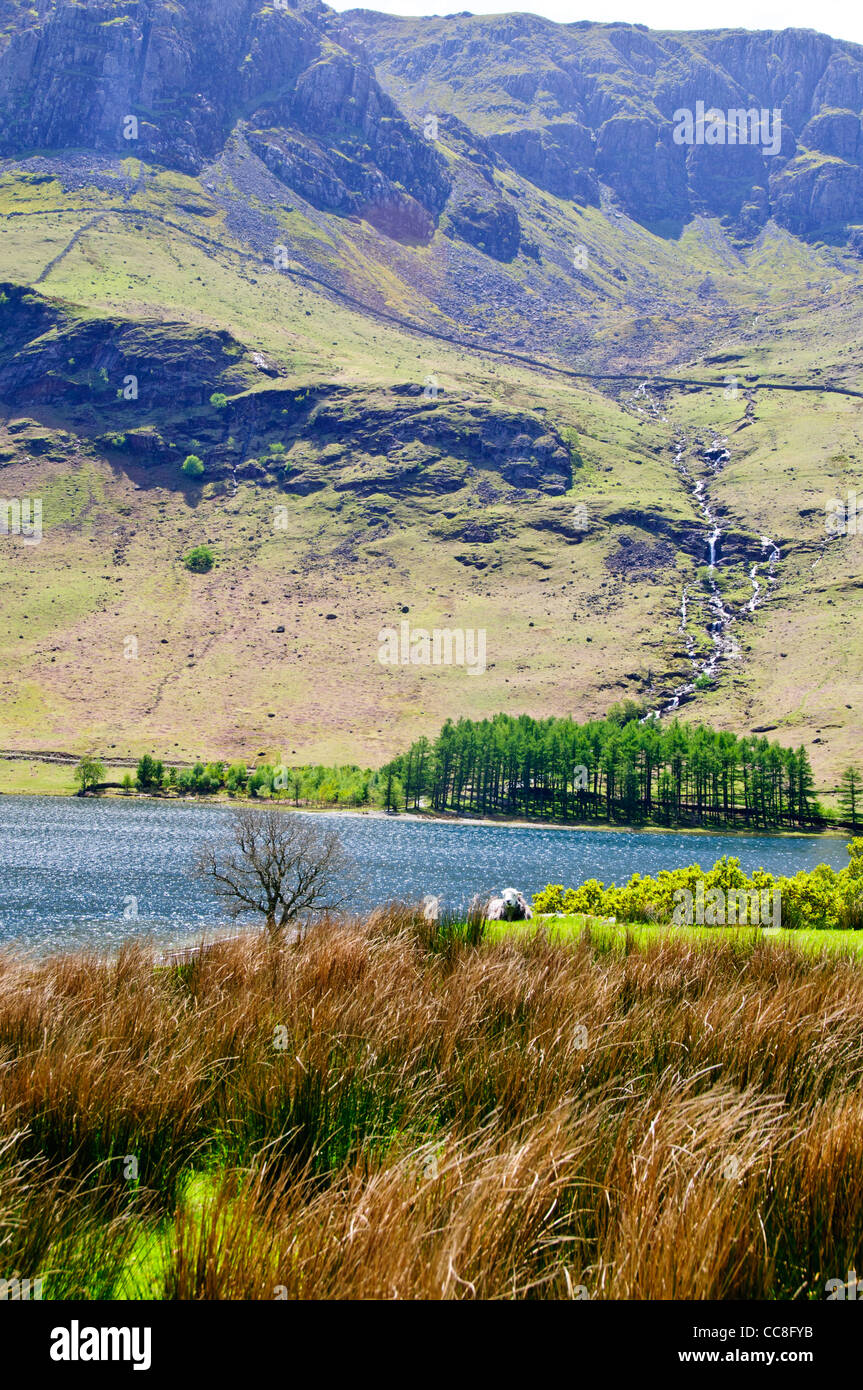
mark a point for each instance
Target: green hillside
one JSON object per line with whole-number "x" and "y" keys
{"x": 412, "y": 424}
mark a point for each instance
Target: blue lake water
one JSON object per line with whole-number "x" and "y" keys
{"x": 93, "y": 873}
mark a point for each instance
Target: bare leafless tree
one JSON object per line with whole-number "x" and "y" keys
{"x": 279, "y": 865}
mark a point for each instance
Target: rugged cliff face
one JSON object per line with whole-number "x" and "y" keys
{"x": 570, "y": 106}
{"x": 334, "y": 106}
{"x": 168, "y": 83}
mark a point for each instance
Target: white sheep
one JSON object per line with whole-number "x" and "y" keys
{"x": 510, "y": 906}
{"x": 431, "y": 908}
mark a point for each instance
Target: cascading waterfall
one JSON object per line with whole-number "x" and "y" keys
{"x": 714, "y": 537}
{"x": 641, "y": 402}
{"x": 759, "y": 594}
{"x": 725, "y": 647}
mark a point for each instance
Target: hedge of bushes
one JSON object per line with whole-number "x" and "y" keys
{"x": 819, "y": 898}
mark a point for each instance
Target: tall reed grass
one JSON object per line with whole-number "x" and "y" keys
{"x": 392, "y": 1109}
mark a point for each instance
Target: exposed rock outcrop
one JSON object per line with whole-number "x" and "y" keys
{"x": 588, "y": 102}
{"x": 489, "y": 223}
{"x": 170, "y": 83}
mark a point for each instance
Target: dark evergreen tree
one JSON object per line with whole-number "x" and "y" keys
{"x": 851, "y": 795}
{"x": 620, "y": 768}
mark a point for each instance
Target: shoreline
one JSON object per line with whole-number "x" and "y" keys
{"x": 430, "y": 818}
{"x": 435, "y": 818}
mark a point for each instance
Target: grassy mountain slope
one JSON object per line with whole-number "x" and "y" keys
{"x": 410, "y": 425}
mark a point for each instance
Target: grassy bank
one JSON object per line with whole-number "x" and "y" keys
{"x": 608, "y": 935}
{"x": 36, "y": 778}
{"x": 390, "y": 1109}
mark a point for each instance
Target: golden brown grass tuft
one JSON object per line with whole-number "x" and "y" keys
{"x": 386, "y": 1110}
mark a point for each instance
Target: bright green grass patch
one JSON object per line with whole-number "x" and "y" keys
{"x": 35, "y": 778}
{"x": 144, "y": 1273}
{"x": 137, "y": 1264}
{"x": 558, "y": 929}
{"x": 609, "y": 935}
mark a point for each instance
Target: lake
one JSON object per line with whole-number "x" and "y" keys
{"x": 80, "y": 872}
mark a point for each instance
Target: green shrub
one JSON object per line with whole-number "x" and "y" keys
{"x": 192, "y": 466}
{"x": 261, "y": 780}
{"x": 822, "y": 898}
{"x": 200, "y": 559}
{"x": 849, "y": 914}
{"x": 89, "y": 772}
{"x": 219, "y": 400}
{"x": 149, "y": 773}
{"x": 573, "y": 444}
{"x": 549, "y": 899}
{"x": 236, "y": 778}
